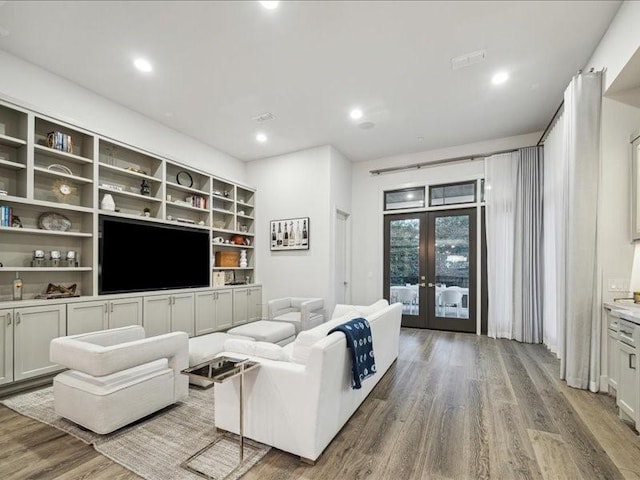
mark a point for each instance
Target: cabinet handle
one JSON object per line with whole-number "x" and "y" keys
{"x": 626, "y": 333}
{"x": 632, "y": 355}
{"x": 111, "y": 303}
{"x": 106, "y": 307}
{"x": 8, "y": 319}
{"x": 17, "y": 318}
{"x": 169, "y": 300}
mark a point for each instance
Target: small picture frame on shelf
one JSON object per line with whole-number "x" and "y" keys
{"x": 290, "y": 234}
{"x": 218, "y": 279}
{"x": 229, "y": 277}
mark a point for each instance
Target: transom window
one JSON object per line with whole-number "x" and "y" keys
{"x": 404, "y": 198}
{"x": 452, "y": 193}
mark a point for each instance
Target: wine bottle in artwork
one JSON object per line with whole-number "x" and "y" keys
{"x": 279, "y": 240}
{"x": 274, "y": 238}
{"x": 285, "y": 240}
{"x": 305, "y": 234}
{"x": 292, "y": 235}
{"x": 298, "y": 234}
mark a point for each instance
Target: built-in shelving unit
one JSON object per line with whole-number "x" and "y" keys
{"x": 50, "y": 166}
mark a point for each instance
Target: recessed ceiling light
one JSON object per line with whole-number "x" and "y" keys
{"x": 499, "y": 78}
{"x": 143, "y": 65}
{"x": 261, "y": 137}
{"x": 270, "y": 5}
{"x": 356, "y": 114}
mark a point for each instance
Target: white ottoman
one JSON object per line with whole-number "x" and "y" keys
{"x": 280, "y": 333}
{"x": 206, "y": 347}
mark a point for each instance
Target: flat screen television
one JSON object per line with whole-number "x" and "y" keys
{"x": 138, "y": 256}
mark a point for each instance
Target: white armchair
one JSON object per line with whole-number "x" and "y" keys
{"x": 117, "y": 376}
{"x": 302, "y": 313}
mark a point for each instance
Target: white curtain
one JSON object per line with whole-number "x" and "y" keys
{"x": 514, "y": 191}
{"x": 580, "y": 345}
{"x": 572, "y": 168}
{"x": 527, "y": 255}
{"x": 501, "y": 173}
{"x": 555, "y": 187}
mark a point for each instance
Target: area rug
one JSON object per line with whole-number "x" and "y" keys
{"x": 155, "y": 446}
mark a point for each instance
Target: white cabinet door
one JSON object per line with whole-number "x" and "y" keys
{"x": 34, "y": 329}
{"x": 182, "y": 313}
{"x": 6, "y": 346}
{"x": 240, "y": 309}
{"x": 254, "y": 303}
{"x": 85, "y": 317}
{"x": 156, "y": 317}
{"x": 224, "y": 309}
{"x": 628, "y": 380}
{"x": 205, "y": 312}
{"x": 612, "y": 354}
{"x": 124, "y": 312}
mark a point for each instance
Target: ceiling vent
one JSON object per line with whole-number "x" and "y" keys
{"x": 468, "y": 59}
{"x": 263, "y": 117}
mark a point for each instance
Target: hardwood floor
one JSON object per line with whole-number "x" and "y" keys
{"x": 454, "y": 406}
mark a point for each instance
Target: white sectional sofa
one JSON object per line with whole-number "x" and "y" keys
{"x": 301, "y": 395}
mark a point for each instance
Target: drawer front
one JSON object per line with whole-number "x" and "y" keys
{"x": 612, "y": 322}
{"x": 626, "y": 332}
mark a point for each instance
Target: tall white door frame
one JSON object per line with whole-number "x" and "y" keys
{"x": 342, "y": 257}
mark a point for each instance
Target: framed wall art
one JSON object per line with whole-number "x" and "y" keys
{"x": 290, "y": 234}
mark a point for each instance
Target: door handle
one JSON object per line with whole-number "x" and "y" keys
{"x": 8, "y": 319}
{"x": 430, "y": 285}
{"x": 17, "y": 318}
{"x": 632, "y": 367}
{"x": 106, "y": 307}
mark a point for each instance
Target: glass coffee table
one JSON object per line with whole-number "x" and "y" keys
{"x": 219, "y": 370}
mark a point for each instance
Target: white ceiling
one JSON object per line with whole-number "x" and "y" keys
{"x": 219, "y": 64}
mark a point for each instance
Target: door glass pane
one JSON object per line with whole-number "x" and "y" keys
{"x": 404, "y": 263}
{"x": 452, "y": 266}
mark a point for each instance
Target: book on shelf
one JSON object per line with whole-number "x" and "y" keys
{"x": 6, "y": 216}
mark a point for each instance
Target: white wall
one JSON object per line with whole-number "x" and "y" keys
{"x": 290, "y": 186}
{"x": 340, "y": 200}
{"x": 619, "y": 42}
{"x": 616, "y": 250}
{"x": 57, "y": 97}
{"x": 367, "y": 224}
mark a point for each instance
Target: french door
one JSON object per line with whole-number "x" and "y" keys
{"x": 430, "y": 267}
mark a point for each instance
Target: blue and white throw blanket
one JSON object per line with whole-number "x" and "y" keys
{"x": 360, "y": 344}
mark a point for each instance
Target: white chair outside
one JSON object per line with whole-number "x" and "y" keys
{"x": 408, "y": 296}
{"x": 451, "y": 297}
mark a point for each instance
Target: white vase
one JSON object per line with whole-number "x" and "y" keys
{"x": 108, "y": 203}
{"x": 243, "y": 259}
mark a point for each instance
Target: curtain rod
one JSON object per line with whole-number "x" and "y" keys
{"x": 433, "y": 163}
{"x": 550, "y": 124}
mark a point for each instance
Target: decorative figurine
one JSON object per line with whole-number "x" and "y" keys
{"x": 16, "y": 222}
{"x": 145, "y": 188}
